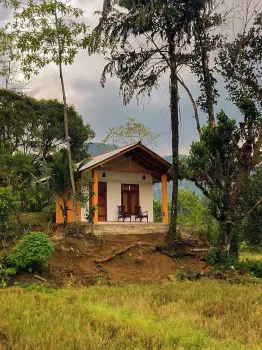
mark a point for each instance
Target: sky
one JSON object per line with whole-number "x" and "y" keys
{"x": 102, "y": 108}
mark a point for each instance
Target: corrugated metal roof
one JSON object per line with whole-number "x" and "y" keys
{"x": 105, "y": 156}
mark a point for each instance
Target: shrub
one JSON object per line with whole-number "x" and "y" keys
{"x": 76, "y": 229}
{"x": 32, "y": 252}
{"x": 157, "y": 209}
{"x": 8, "y": 204}
{"x": 211, "y": 257}
{"x": 192, "y": 212}
{"x": 5, "y": 274}
{"x": 186, "y": 274}
{"x": 253, "y": 266}
{"x": 214, "y": 258}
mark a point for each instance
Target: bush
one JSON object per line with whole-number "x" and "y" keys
{"x": 192, "y": 212}
{"x": 186, "y": 274}
{"x": 8, "y": 204}
{"x": 76, "y": 229}
{"x": 157, "y": 209}
{"x": 252, "y": 266}
{"x": 211, "y": 257}
{"x": 5, "y": 274}
{"x": 214, "y": 257}
{"x": 32, "y": 252}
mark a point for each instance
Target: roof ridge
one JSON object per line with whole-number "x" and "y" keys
{"x": 84, "y": 161}
{"x": 100, "y": 154}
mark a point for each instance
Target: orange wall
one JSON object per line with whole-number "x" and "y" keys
{"x": 71, "y": 217}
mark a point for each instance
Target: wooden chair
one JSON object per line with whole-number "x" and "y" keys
{"x": 122, "y": 214}
{"x": 139, "y": 214}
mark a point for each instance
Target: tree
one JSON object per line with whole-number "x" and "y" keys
{"x": 162, "y": 32}
{"x": 50, "y": 114}
{"x": 249, "y": 208}
{"x": 220, "y": 165}
{"x": 227, "y": 154}
{"x": 50, "y": 31}
{"x": 131, "y": 131}
{"x": 10, "y": 62}
{"x": 60, "y": 181}
{"x": 36, "y": 127}
{"x": 19, "y": 122}
{"x": 18, "y": 171}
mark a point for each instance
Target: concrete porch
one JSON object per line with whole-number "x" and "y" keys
{"x": 125, "y": 228}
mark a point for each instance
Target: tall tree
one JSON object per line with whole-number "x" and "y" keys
{"x": 148, "y": 39}
{"x": 50, "y": 31}
{"x": 36, "y": 127}
{"x": 10, "y": 62}
{"x": 222, "y": 162}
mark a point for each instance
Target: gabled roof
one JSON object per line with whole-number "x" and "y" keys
{"x": 101, "y": 158}
{"x": 139, "y": 153}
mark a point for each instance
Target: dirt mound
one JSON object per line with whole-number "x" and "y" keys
{"x": 118, "y": 259}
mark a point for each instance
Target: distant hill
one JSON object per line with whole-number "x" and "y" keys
{"x": 181, "y": 184}
{"x": 94, "y": 149}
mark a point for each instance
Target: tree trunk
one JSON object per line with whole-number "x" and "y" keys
{"x": 65, "y": 216}
{"x": 224, "y": 241}
{"x": 66, "y": 124}
{"x": 172, "y": 236}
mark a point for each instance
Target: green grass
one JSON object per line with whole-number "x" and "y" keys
{"x": 250, "y": 256}
{"x": 35, "y": 218}
{"x": 180, "y": 315}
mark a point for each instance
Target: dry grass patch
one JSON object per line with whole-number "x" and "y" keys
{"x": 180, "y": 315}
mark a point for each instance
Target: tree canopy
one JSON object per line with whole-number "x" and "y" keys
{"x": 36, "y": 126}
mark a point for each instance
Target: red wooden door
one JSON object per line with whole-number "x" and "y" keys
{"x": 102, "y": 201}
{"x": 130, "y": 197}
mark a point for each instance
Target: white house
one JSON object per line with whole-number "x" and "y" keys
{"x": 124, "y": 178}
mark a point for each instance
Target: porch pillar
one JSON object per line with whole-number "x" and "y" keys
{"x": 95, "y": 195}
{"x": 164, "y": 199}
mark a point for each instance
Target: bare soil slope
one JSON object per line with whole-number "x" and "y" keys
{"x": 118, "y": 259}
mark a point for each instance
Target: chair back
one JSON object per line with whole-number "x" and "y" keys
{"x": 138, "y": 210}
{"x": 121, "y": 209}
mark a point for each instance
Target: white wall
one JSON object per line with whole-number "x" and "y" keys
{"x": 114, "y": 180}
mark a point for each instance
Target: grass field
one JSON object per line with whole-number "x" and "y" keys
{"x": 251, "y": 256}
{"x": 179, "y": 315}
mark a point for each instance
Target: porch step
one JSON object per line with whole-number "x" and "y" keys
{"x": 120, "y": 228}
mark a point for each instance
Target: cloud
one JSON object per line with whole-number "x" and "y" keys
{"x": 103, "y": 108}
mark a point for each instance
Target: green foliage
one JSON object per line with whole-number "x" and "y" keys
{"x": 253, "y": 266}
{"x": 37, "y": 126}
{"x": 49, "y": 32}
{"x": 193, "y": 213}
{"x": 157, "y": 210}
{"x": 249, "y": 207}
{"x": 8, "y": 205}
{"x": 211, "y": 257}
{"x": 90, "y": 213}
{"x": 216, "y": 257}
{"x": 51, "y": 118}
{"x": 186, "y": 274}
{"x": 76, "y": 230}
{"x": 221, "y": 162}
{"x": 31, "y": 253}
{"x": 5, "y": 274}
